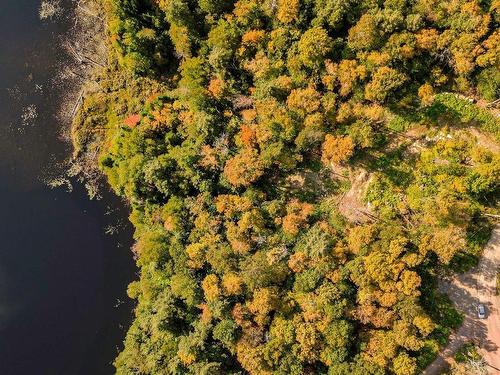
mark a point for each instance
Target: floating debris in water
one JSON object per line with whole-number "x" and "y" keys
{"x": 111, "y": 229}
{"x": 29, "y": 115}
{"x": 60, "y": 182}
{"x": 110, "y": 210}
{"x": 49, "y": 9}
{"x": 15, "y": 92}
{"x": 93, "y": 191}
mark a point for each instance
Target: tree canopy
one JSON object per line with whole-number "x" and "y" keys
{"x": 234, "y": 167}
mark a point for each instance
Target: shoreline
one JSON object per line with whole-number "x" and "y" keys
{"x": 85, "y": 56}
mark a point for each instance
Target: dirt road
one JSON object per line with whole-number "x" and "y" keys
{"x": 467, "y": 291}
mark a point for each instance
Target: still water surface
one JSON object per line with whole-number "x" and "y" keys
{"x": 63, "y": 306}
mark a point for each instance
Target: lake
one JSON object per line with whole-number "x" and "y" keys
{"x": 63, "y": 303}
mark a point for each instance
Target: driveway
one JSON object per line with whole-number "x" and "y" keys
{"x": 467, "y": 291}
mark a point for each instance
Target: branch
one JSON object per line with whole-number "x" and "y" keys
{"x": 77, "y": 105}
{"x": 493, "y": 103}
{"x": 491, "y": 215}
{"x": 86, "y": 11}
{"x": 81, "y": 58}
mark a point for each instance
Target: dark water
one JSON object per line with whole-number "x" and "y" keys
{"x": 61, "y": 276}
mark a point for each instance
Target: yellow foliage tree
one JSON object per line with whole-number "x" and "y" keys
{"x": 232, "y": 284}
{"x": 210, "y": 286}
{"x": 304, "y": 100}
{"x": 196, "y": 253}
{"x": 403, "y": 364}
{"x": 288, "y": 10}
{"x": 244, "y": 168}
{"x": 445, "y": 242}
{"x": 365, "y": 34}
{"x": 336, "y": 150}
{"x": 264, "y": 301}
{"x": 349, "y": 73}
{"x": 297, "y": 215}
{"x": 426, "y": 93}
{"x": 216, "y": 87}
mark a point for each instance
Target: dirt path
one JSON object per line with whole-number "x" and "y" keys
{"x": 351, "y": 204}
{"x": 467, "y": 291}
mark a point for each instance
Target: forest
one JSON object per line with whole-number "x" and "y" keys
{"x": 299, "y": 173}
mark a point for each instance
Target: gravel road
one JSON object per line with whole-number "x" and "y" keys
{"x": 467, "y": 291}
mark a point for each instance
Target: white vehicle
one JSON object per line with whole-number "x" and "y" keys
{"x": 481, "y": 311}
